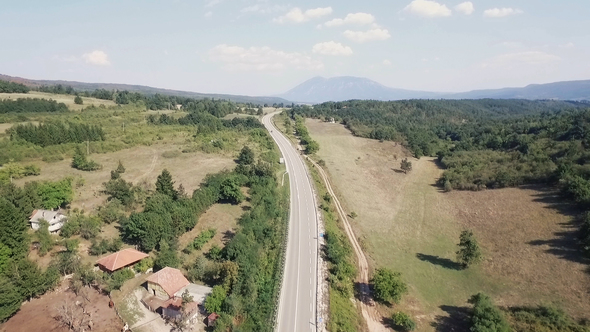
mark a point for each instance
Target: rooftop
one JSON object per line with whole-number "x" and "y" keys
{"x": 170, "y": 279}
{"x": 121, "y": 259}
{"x": 50, "y": 216}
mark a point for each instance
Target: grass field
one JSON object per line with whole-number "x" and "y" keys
{"x": 66, "y": 99}
{"x": 406, "y": 223}
{"x": 142, "y": 164}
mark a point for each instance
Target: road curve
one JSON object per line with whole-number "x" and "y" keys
{"x": 298, "y": 298}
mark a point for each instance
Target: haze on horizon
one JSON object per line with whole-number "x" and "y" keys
{"x": 266, "y": 47}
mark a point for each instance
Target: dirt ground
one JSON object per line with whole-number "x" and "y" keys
{"x": 406, "y": 223}
{"x": 141, "y": 163}
{"x": 66, "y": 99}
{"x": 39, "y": 314}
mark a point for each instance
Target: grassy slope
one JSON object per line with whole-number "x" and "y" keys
{"x": 407, "y": 224}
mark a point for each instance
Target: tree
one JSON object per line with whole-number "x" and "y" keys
{"x": 78, "y": 100}
{"x": 214, "y": 301}
{"x": 13, "y": 229}
{"x": 44, "y": 238}
{"x": 246, "y": 156}
{"x": 388, "y": 285}
{"x": 312, "y": 147}
{"x": 55, "y": 194}
{"x": 79, "y": 161}
{"x": 10, "y": 298}
{"x": 166, "y": 257}
{"x": 406, "y": 165}
{"x": 120, "y": 168}
{"x": 486, "y": 317}
{"x": 121, "y": 190}
{"x": 469, "y": 252}
{"x": 230, "y": 191}
{"x": 165, "y": 185}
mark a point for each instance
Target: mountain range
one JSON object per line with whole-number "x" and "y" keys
{"x": 320, "y": 89}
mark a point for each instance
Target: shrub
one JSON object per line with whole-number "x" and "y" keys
{"x": 201, "y": 240}
{"x": 403, "y": 321}
{"x": 144, "y": 265}
{"x": 388, "y": 286}
{"x": 486, "y": 317}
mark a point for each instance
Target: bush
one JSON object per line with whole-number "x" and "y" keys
{"x": 403, "y": 321}
{"x": 144, "y": 265}
{"x": 111, "y": 212}
{"x": 201, "y": 240}
{"x": 78, "y": 100}
{"x": 82, "y": 163}
{"x": 388, "y": 286}
{"x": 486, "y": 317}
{"x": 115, "y": 280}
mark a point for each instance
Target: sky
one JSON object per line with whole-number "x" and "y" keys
{"x": 266, "y": 47}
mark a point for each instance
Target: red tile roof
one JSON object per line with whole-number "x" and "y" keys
{"x": 170, "y": 279}
{"x": 121, "y": 259}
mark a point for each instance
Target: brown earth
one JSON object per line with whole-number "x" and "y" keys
{"x": 40, "y": 314}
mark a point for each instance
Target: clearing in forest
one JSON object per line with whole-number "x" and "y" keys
{"x": 66, "y": 99}
{"x": 408, "y": 224}
{"x": 142, "y": 164}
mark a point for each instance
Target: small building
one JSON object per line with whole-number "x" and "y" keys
{"x": 165, "y": 283}
{"x": 178, "y": 106}
{"x": 165, "y": 289}
{"x": 211, "y": 319}
{"x": 120, "y": 259}
{"x": 55, "y": 219}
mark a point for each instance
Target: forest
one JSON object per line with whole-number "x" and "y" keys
{"x": 31, "y": 105}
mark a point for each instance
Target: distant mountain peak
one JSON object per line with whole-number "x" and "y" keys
{"x": 320, "y": 89}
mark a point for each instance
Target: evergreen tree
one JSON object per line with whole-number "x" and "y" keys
{"x": 120, "y": 168}
{"x": 165, "y": 185}
{"x": 406, "y": 165}
{"x": 78, "y": 100}
{"x": 469, "y": 252}
{"x": 13, "y": 228}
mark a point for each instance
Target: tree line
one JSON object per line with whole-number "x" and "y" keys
{"x": 31, "y": 105}
{"x": 12, "y": 87}
{"x": 57, "y": 132}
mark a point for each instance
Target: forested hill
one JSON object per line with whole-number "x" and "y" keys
{"x": 81, "y": 86}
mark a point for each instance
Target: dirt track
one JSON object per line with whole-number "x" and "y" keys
{"x": 370, "y": 314}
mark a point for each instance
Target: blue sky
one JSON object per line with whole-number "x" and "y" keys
{"x": 265, "y": 47}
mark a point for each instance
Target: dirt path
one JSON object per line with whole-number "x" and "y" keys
{"x": 371, "y": 315}
{"x": 152, "y": 167}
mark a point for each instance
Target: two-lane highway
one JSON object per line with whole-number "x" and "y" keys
{"x": 298, "y": 298}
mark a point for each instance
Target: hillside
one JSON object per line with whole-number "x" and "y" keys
{"x": 82, "y": 86}
{"x": 320, "y": 89}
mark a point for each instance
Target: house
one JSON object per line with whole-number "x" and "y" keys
{"x": 178, "y": 106}
{"x": 120, "y": 259}
{"x": 211, "y": 319}
{"x": 55, "y": 219}
{"x": 165, "y": 289}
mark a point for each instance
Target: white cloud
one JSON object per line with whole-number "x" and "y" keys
{"x": 295, "y": 15}
{"x": 465, "y": 8}
{"x": 263, "y": 8}
{"x": 427, "y": 8}
{"x": 209, "y": 14}
{"x": 501, "y": 12}
{"x": 331, "y": 48}
{"x": 568, "y": 45}
{"x": 98, "y": 58}
{"x": 236, "y": 58}
{"x": 213, "y": 3}
{"x": 356, "y": 18}
{"x": 522, "y": 58}
{"x": 369, "y": 35}
{"x": 386, "y": 62}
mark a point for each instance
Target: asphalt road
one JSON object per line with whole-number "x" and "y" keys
{"x": 297, "y": 303}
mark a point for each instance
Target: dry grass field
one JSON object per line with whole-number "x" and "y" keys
{"x": 142, "y": 164}
{"x": 66, "y": 99}
{"x": 406, "y": 223}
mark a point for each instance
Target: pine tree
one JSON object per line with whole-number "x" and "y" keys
{"x": 165, "y": 185}
{"x": 120, "y": 168}
{"x": 78, "y": 100}
{"x": 246, "y": 156}
{"x": 469, "y": 253}
{"x": 13, "y": 228}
